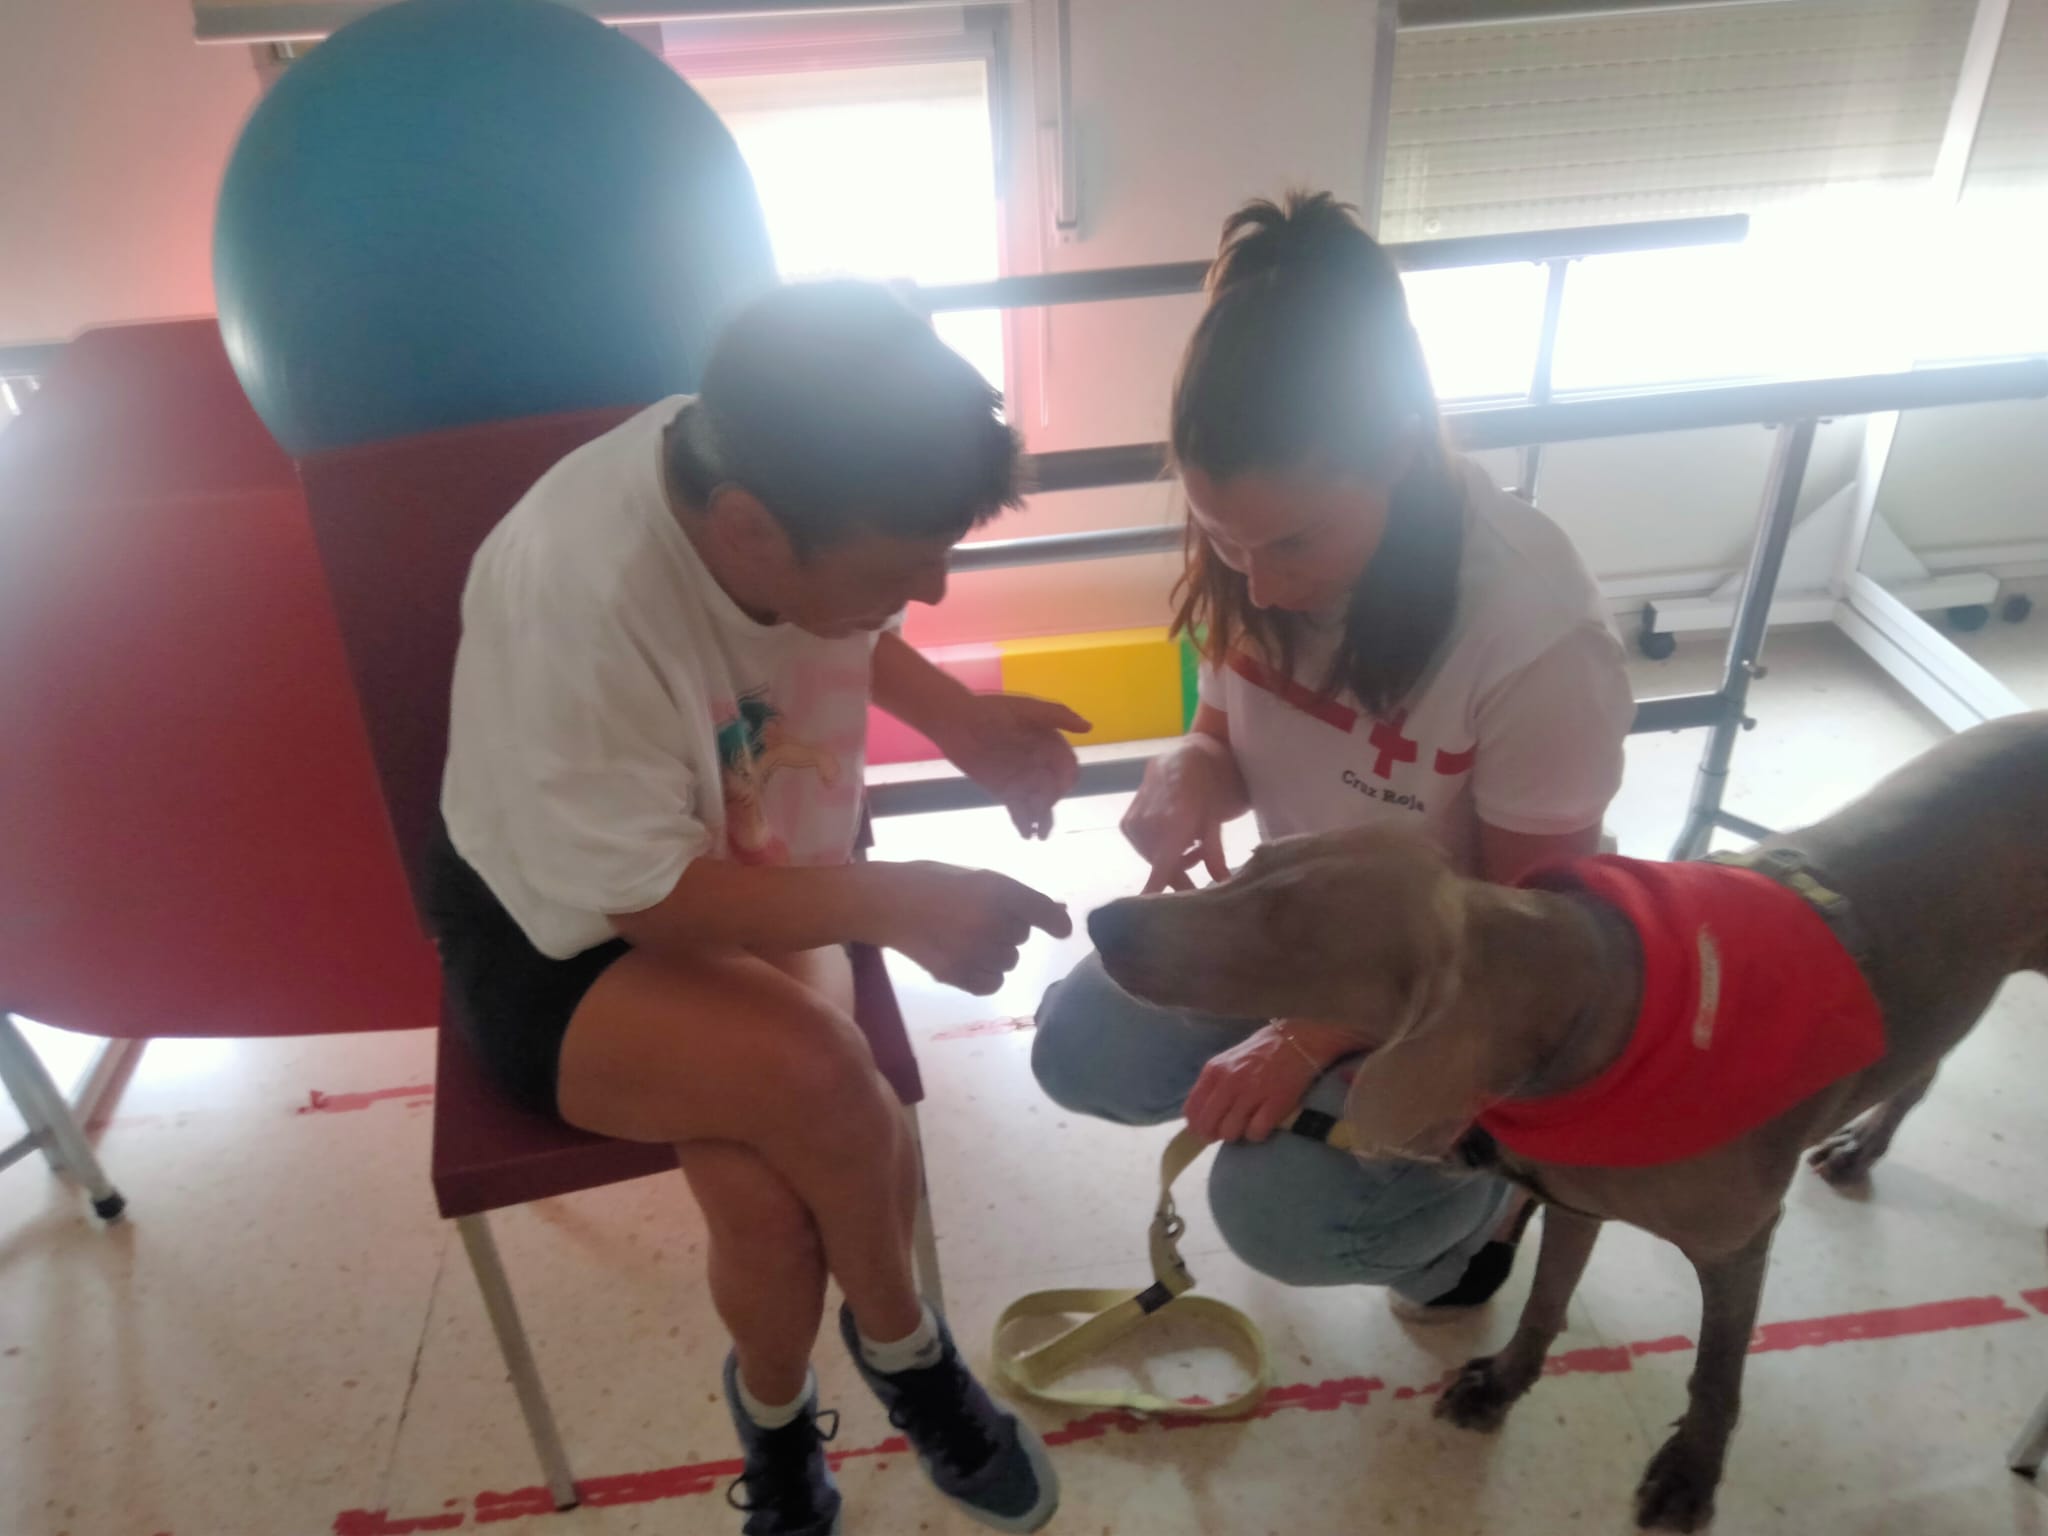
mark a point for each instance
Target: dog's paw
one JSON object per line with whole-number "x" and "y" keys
{"x": 1846, "y": 1157}
{"x": 1677, "y": 1490}
{"x": 1478, "y": 1397}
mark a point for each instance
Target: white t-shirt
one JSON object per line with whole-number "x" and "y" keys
{"x": 616, "y": 715}
{"x": 1518, "y": 724}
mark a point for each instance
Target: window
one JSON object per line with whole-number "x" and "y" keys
{"x": 1821, "y": 119}
{"x": 1479, "y": 328}
{"x": 872, "y": 143}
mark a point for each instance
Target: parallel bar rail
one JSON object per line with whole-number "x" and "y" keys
{"x": 1569, "y": 421}
{"x": 1796, "y": 408}
{"x": 1105, "y": 284}
{"x": 1431, "y": 15}
{"x": 28, "y": 361}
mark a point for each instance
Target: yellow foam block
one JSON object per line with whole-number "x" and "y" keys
{"x": 1127, "y": 681}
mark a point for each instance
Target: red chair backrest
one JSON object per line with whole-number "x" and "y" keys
{"x": 397, "y": 524}
{"x": 191, "y": 839}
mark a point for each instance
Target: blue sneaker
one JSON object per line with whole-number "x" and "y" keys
{"x": 786, "y": 1488}
{"x": 985, "y": 1460}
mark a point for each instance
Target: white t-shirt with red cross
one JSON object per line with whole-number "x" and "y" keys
{"x": 1518, "y": 724}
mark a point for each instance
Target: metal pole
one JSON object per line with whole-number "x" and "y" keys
{"x": 2027, "y": 1451}
{"x": 1746, "y": 640}
{"x": 1058, "y": 548}
{"x": 1066, "y": 208}
{"x": 1100, "y": 285}
{"x": 50, "y": 1121}
{"x": 1379, "y": 111}
{"x": 496, "y": 1286}
{"x": 1539, "y": 377}
{"x": 1677, "y": 410}
{"x": 1429, "y": 15}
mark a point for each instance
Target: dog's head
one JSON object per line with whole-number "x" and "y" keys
{"x": 1365, "y": 928}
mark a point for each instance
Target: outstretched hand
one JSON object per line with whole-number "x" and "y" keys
{"x": 1010, "y": 744}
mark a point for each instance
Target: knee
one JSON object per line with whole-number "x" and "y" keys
{"x": 827, "y": 1080}
{"x": 1067, "y": 1055}
{"x": 1289, "y": 1209}
{"x": 747, "y": 1206}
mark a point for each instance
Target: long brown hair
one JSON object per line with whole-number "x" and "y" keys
{"x": 1306, "y": 363}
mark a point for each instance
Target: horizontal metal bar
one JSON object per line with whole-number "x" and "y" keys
{"x": 1678, "y": 712}
{"x": 1735, "y": 405}
{"x": 1676, "y": 410}
{"x": 1121, "y": 775}
{"x": 273, "y": 21}
{"x": 1742, "y": 826}
{"x": 1104, "y": 284}
{"x": 19, "y": 1149}
{"x": 1432, "y": 15}
{"x": 1097, "y": 285}
{"x": 1058, "y": 548}
{"x": 1540, "y": 245}
{"x": 1081, "y": 469}
{"x": 28, "y": 361}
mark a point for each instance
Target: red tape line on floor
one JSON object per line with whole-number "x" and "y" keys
{"x": 318, "y": 1103}
{"x": 488, "y": 1508}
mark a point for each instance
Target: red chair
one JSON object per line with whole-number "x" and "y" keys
{"x": 192, "y": 837}
{"x": 397, "y": 524}
{"x": 191, "y": 841}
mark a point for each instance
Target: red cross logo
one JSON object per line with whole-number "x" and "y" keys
{"x": 1391, "y": 746}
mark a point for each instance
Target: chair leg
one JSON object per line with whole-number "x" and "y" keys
{"x": 533, "y": 1397}
{"x": 2028, "y": 1451}
{"x": 50, "y": 1121}
{"x": 926, "y": 1250}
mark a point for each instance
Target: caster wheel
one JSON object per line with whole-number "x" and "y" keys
{"x": 1656, "y": 644}
{"x": 2014, "y": 609}
{"x": 110, "y": 1209}
{"x": 1972, "y": 616}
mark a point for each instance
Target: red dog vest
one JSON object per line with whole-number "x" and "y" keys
{"x": 1750, "y": 1004}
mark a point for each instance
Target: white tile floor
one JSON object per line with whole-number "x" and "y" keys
{"x": 284, "y": 1340}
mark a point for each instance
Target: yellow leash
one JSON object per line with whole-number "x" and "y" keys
{"x": 1113, "y": 1313}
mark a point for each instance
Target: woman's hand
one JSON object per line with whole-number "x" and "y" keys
{"x": 1175, "y": 821}
{"x": 1010, "y": 744}
{"x": 1248, "y": 1091}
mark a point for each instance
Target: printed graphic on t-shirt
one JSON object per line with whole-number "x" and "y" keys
{"x": 1381, "y": 772}
{"x": 754, "y": 745}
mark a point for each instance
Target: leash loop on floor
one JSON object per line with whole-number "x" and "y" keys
{"x": 1108, "y": 1315}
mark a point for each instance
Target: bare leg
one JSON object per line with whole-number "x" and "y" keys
{"x": 1482, "y": 1393}
{"x": 730, "y": 1048}
{"x": 766, "y": 1267}
{"x": 1848, "y": 1156}
{"x": 1677, "y": 1490}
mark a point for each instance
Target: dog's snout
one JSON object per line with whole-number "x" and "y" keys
{"x": 1110, "y": 926}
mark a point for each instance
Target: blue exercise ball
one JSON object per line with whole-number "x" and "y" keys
{"x": 467, "y": 210}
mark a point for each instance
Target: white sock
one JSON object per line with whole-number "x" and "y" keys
{"x": 775, "y": 1415}
{"x": 918, "y": 1350}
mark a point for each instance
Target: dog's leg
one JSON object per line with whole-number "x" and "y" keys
{"x": 1481, "y": 1394}
{"x": 1848, "y": 1156}
{"x": 1677, "y": 1490}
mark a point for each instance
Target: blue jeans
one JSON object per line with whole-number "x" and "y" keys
{"x": 1289, "y": 1207}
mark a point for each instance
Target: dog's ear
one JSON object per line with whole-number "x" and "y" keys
{"x": 1415, "y": 1095}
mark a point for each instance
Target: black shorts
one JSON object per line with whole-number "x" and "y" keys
{"x": 512, "y": 1002}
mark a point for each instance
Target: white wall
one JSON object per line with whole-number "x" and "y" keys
{"x": 115, "y": 129}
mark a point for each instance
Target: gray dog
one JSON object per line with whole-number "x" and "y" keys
{"x": 1528, "y": 1005}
